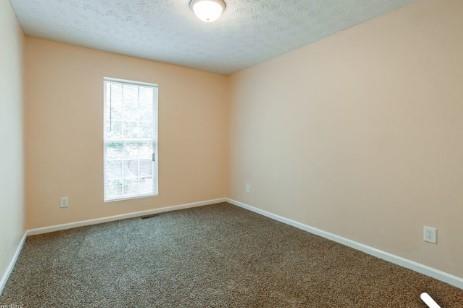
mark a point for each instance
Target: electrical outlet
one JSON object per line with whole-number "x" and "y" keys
{"x": 64, "y": 202}
{"x": 430, "y": 234}
{"x": 248, "y": 187}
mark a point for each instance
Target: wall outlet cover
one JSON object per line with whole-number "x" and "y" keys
{"x": 430, "y": 234}
{"x": 64, "y": 202}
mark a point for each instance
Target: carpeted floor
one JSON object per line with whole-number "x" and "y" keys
{"x": 213, "y": 256}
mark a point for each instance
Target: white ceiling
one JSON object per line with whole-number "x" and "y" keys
{"x": 249, "y": 32}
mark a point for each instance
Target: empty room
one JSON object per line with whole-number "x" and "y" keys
{"x": 231, "y": 153}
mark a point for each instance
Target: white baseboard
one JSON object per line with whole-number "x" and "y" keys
{"x": 96, "y": 221}
{"x": 42, "y": 230}
{"x": 12, "y": 263}
{"x": 412, "y": 265}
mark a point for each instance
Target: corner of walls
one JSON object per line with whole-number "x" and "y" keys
{"x": 357, "y": 134}
{"x": 11, "y": 134}
{"x": 384, "y": 255}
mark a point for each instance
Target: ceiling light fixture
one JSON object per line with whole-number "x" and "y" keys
{"x": 208, "y": 10}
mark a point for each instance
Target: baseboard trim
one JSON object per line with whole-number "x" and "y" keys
{"x": 89, "y": 222}
{"x": 412, "y": 265}
{"x": 100, "y": 220}
{"x": 409, "y": 264}
{"x": 10, "y": 267}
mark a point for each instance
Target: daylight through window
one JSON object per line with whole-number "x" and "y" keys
{"x": 130, "y": 139}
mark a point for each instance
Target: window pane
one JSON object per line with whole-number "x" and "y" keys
{"x": 146, "y": 130}
{"x": 113, "y": 188}
{"x": 114, "y": 150}
{"x": 113, "y": 170}
{"x": 129, "y": 133}
{"x": 131, "y": 187}
{"x": 131, "y": 169}
{"x": 115, "y": 129}
{"x": 145, "y": 185}
{"x": 146, "y": 168}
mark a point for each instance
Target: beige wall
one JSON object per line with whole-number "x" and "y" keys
{"x": 361, "y": 133}
{"x": 64, "y": 132}
{"x": 11, "y": 135}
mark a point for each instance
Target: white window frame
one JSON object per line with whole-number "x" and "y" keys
{"x": 155, "y": 160}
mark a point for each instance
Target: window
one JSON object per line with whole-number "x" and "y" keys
{"x": 130, "y": 139}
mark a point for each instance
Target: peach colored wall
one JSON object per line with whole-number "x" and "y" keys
{"x": 64, "y": 132}
{"x": 361, "y": 133}
{"x": 11, "y": 135}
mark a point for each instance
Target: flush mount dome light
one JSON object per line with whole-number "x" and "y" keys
{"x": 208, "y": 10}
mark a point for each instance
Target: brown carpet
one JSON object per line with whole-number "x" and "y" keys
{"x": 213, "y": 256}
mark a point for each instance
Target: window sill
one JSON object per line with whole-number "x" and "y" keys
{"x": 126, "y": 198}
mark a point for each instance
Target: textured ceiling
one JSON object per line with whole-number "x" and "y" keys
{"x": 249, "y": 32}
